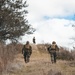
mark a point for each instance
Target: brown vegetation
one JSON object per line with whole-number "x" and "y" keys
{"x": 65, "y": 54}
{"x": 7, "y": 54}
{"x": 39, "y": 63}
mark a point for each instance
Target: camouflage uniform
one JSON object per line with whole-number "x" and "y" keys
{"x": 27, "y": 51}
{"x": 34, "y": 40}
{"x": 52, "y": 52}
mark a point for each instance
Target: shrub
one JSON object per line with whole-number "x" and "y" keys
{"x": 65, "y": 54}
{"x": 7, "y": 54}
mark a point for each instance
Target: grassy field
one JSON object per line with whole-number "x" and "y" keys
{"x": 39, "y": 64}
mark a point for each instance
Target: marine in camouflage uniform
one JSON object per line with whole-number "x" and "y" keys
{"x": 34, "y": 40}
{"x": 52, "y": 49}
{"x": 27, "y": 51}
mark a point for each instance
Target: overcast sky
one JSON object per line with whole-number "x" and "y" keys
{"x": 52, "y": 20}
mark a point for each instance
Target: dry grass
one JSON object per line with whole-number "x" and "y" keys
{"x": 39, "y": 64}
{"x": 7, "y": 54}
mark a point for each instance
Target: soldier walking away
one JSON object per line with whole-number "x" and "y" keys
{"x": 53, "y": 48}
{"x": 27, "y": 51}
{"x": 34, "y": 40}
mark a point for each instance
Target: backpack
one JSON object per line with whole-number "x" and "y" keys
{"x": 53, "y": 46}
{"x": 27, "y": 48}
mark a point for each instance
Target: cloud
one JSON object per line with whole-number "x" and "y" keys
{"x": 52, "y": 20}
{"x": 59, "y": 30}
{"x": 52, "y": 8}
